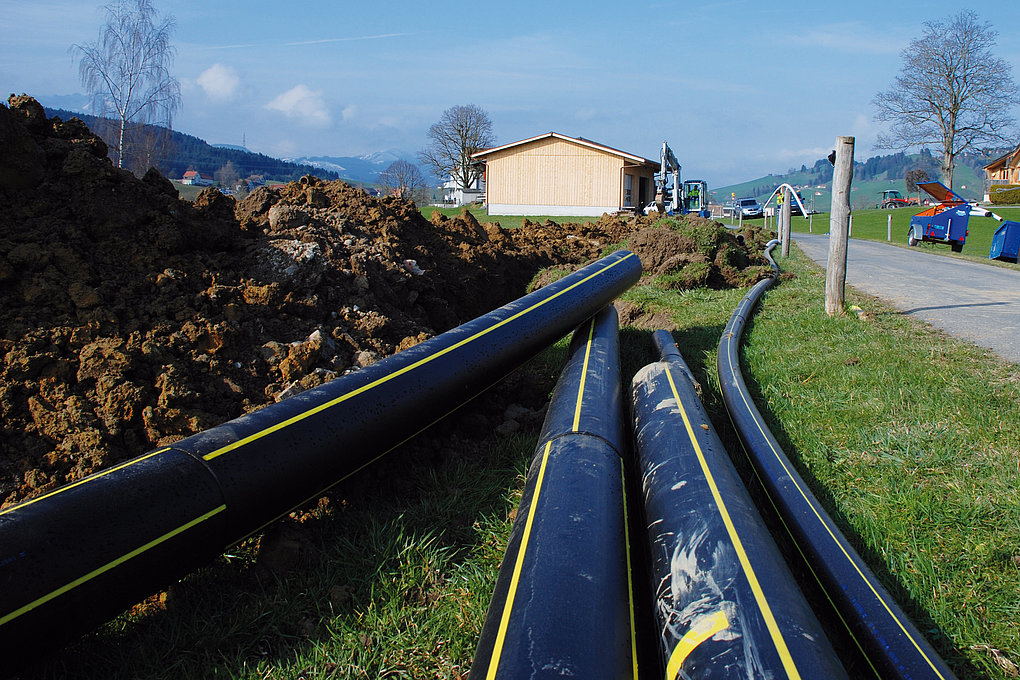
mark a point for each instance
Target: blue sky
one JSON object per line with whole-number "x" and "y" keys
{"x": 738, "y": 88}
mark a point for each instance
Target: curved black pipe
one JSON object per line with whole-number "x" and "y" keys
{"x": 726, "y": 603}
{"x": 888, "y": 641}
{"x": 79, "y": 555}
{"x": 562, "y": 602}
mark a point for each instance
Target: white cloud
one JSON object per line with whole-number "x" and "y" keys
{"x": 852, "y": 37}
{"x": 349, "y": 112}
{"x": 304, "y": 104}
{"x": 219, "y": 82}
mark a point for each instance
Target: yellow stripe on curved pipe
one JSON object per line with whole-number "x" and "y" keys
{"x": 703, "y": 629}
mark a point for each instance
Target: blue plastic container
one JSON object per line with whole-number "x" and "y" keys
{"x": 1006, "y": 242}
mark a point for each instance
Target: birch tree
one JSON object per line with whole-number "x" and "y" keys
{"x": 126, "y": 71}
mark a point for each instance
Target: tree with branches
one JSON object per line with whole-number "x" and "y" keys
{"x": 404, "y": 178}
{"x": 460, "y": 132}
{"x": 952, "y": 93}
{"x": 126, "y": 71}
{"x": 914, "y": 177}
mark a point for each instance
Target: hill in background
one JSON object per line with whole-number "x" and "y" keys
{"x": 871, "y": 178}
{"x": 188, "y": 152}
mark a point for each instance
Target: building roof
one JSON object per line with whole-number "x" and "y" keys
{"x": 576, "y": 140}
{"x": 1003, "y": 160}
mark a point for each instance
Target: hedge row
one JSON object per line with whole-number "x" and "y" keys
{"x": 1005, "y": 194}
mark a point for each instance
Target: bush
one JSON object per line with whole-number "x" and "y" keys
{"x": 1005, "y": 194}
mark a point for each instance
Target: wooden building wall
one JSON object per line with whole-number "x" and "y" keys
{"x": 555, "y": 176}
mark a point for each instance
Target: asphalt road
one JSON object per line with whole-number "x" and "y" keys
{"x": 967, "y": 300}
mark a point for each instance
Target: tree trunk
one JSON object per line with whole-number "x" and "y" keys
{"x": 120, "y": 143}
{"x": 839, "y": 225}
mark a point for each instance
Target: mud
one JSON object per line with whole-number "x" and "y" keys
{"x": 131, "y": 318}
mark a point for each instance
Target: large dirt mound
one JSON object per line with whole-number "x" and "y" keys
{"x": 132, "y": 318}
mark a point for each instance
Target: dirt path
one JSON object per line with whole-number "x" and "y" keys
{"x": 968, "y": 300}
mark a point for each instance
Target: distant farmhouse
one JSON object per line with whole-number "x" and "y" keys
{"x": 1003, "y": 170}
{"x": 554, "y": 174}
{"x": 195, "y": 178}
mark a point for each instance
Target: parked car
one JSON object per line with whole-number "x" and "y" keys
{"x": 749, "y": 207}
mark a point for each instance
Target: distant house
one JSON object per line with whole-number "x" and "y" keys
{"x": 454, "y": 195}
{"x": 1004, "y": 170}
{"x": 554, "y": 174}
{"x": 197, "y": 179}
{"x": 255, "y": 181}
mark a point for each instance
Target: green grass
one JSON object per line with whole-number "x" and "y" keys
{"x": 505, "y": 221}
{"x": 910, "y": 439}
{"x": 873, "y": 225}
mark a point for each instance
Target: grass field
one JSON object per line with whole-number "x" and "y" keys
{"x": 874, "y": 225}
{"x": 505, "y": 221}
{"x": 909, "y": 438}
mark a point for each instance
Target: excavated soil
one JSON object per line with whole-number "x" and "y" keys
{"x": 131, "y": 318}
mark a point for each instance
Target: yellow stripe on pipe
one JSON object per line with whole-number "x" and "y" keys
{"x": 110, "y": 565}
{"x": 759, "y": 595}
{"x": 504, "y": 621}
{"x": 703, "y": 629}
{"x": 630, "y": 572}
{"x": 584, "y": 374}
{"x": 406, "y": 369}
{"x": 90, "y": 478}
{"x": 828, "y": 529}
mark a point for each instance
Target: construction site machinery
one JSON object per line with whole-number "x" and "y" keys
{"x": 694, "y": 198}
{"x": 667, "y": 182}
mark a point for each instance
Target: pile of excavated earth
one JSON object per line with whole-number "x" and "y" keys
{"x": 132, "y": 318}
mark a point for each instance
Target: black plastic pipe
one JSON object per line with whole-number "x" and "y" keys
{"x": 725, "y": 602}
{"x": 75, "y": 557}
{"x": 890, "y": 644}
{"x": 562, "y": 604}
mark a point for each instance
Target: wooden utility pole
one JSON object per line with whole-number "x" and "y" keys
{"x": 784, "y": 221}
{"x": 839, "y": 226}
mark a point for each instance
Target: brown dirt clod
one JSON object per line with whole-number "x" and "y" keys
{"x": 132, "y": 318}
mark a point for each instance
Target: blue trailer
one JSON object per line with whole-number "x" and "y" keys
{"x": 942, "y": 223}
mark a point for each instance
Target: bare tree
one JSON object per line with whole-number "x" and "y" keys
{"x": 912, "y": 178}
{"x": 952, "y": 92}
{"x": 127, "y": 70}
{"x": 462, "y": 131}
{"x": 404, "y": 179}
{"x": 227, "y": 176}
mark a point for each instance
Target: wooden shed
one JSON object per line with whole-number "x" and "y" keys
{"x": 553, "y": 174}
